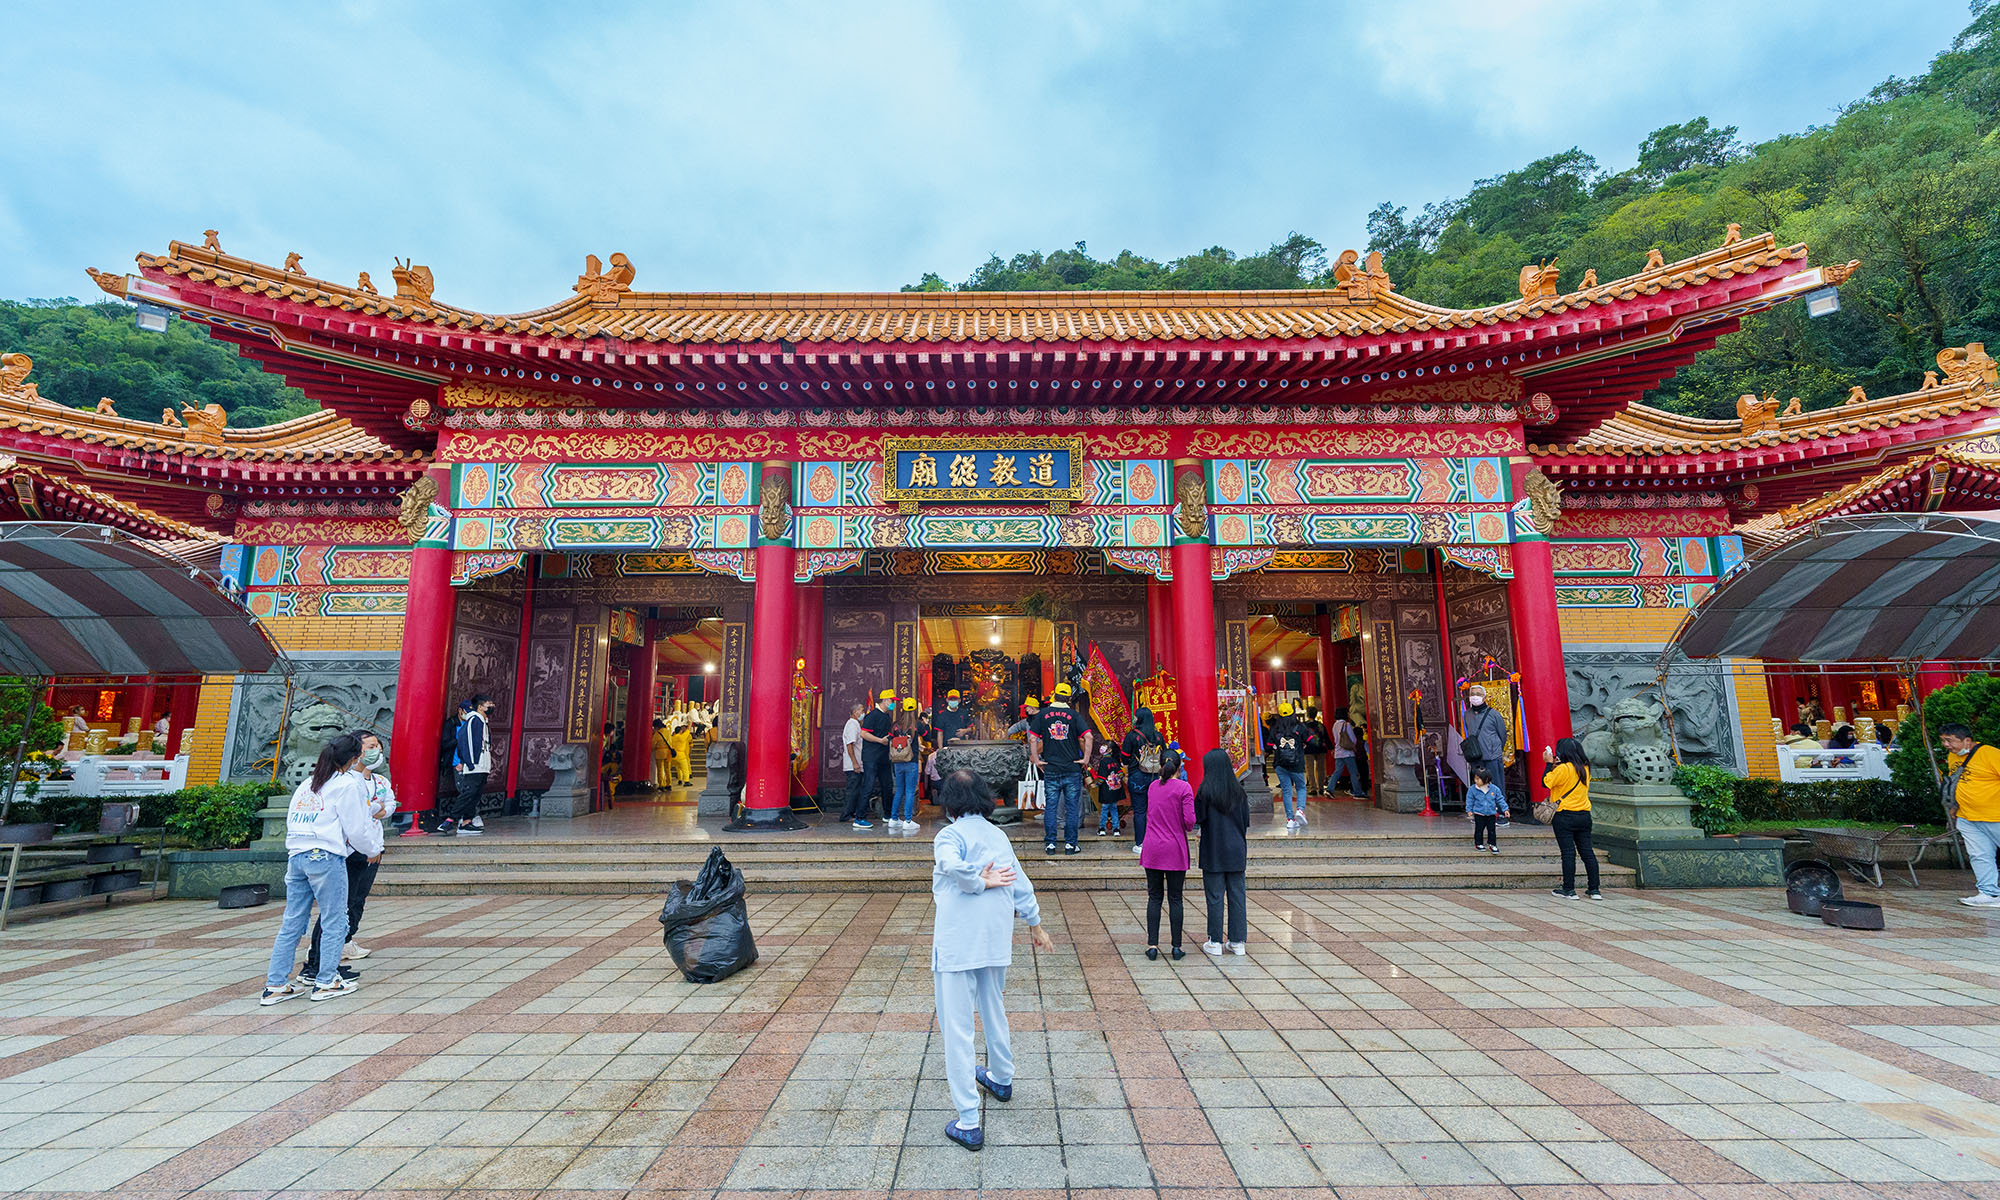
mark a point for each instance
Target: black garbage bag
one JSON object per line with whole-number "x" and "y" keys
{"x": 707, "y": 925}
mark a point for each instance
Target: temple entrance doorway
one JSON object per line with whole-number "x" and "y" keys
{"x": 995, "y": 663}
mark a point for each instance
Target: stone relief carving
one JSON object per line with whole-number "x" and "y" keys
{"x": 1631, "y": 743}
{"x": 352, "y": 692}
{"x": 1698, "y": 692}
{"x": 548, "y": 679}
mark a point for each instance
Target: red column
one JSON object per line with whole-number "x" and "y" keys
{"x": 638, "y": 764}
{"x": 1531, "y": 603}
{"x": 183, "y": 702}
{"x": 1334, "y": 686}
{"x": 1323, "y": 664}
{"x": 1160, "y": 625}
{"x": 1194, "y": 637}
{"x": 812, "y": 629}
{"x": 421, "y": 677}
{"x": 520, "y": 706}
{"x": 768, "y": 725}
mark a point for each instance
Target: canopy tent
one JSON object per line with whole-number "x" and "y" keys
{"x": 87, "y": 600}
{"x": 1910, "y": 587}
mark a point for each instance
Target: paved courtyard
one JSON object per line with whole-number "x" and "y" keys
{"x": 1465, "y": 1044}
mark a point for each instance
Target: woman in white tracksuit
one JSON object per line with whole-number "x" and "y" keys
{"x": 979, "y": 889}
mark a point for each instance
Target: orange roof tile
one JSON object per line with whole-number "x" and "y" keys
{"x": 49, "y": 488}
{"x": 316, "y": 437}
{"x": 602, "y": 308}
{"x": 1641, "y": 430}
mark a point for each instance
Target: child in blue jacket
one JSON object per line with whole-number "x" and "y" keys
{"x": 1485, "y": 804}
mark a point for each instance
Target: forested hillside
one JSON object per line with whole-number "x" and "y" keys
{"x": 1906, "y": 179}
{"x": 85, "y": 351}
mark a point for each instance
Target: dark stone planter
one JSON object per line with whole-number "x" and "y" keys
{"x": 113, "y": 881}
{"x": 112, "y": 852}
{"x": 202, "y": 874}
{"x": 56, "y": 890}
{"x": 27, "y": 834}
{"x": 26, "y": 894}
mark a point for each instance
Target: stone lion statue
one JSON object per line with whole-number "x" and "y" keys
{"x": 1631, "y": 743}
{"x": 311, "y": 726}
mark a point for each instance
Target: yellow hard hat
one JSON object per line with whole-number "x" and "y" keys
{"x": 887, "y": 694}
{"x": 952, "y": 694}
{"x": 1034, "y": 702}
{"x": 910, "y": 705}
{"x": 1285, "y": 709}
{"x": 1062, "y": 689}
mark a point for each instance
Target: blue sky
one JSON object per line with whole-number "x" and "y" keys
{"x": 830, "y": 146}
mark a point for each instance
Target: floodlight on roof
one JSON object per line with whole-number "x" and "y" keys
{"x": 1823, "y": 303}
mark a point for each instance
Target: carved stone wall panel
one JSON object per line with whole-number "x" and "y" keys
{"x": 330, "y": 694}
{"x": 857, "y": 661}
{"x": 1699, "y": 693}
{"x": 1479, "y": 629}
{"x": 1419, "y": 660}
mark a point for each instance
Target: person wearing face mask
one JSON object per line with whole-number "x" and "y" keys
{"x": 952, "y": 722}
{"x": 1485, "y": 741}
{"x": 372, "y": 772}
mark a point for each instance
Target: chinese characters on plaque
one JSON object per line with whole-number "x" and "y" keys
{"x": 983, "y": 469}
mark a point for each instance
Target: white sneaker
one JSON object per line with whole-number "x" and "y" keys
{"x": 1982, "y": 900}
{"x": 354, "y": 952}
{"x": 1135, "y": 849}
{"x": 339, "y": 987}
{"x": 1302, "y": 822}
{"x": 1238, "y": 949}
{"x": 1215, "y": 948}
{"x": 1291, "y": 824}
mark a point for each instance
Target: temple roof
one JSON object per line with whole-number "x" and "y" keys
{"x": 1961, "y": 477}
{"x": 1773, "y": 459}
{"x": 34, "y": 494}
{"x": 605, "y": 306}
{"x": 320, "y": 437}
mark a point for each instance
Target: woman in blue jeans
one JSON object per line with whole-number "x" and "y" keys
{"x": 1288, "y": 755}
{"x": 906, "y": 732}
{"x": 328, "y": 819}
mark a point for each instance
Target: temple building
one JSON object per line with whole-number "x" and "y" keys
{"x": 1342, "y": 494}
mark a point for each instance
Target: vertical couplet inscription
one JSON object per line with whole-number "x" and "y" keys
{"x": 582, "y": 682}
{"x": 1392, "y": 700}
{"x": 735, "y": 644}
{"x": 905, "y": 658}
{"x": 1236, "y": 639}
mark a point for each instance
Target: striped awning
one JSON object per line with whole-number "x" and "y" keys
{"x": 87, "y": 600}
{"x": 1877, "y": 588}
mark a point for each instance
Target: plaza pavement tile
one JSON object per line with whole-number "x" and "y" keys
{"x": 1372, "y": 1046}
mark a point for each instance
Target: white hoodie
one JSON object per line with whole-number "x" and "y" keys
{"x": 334, "y": 819}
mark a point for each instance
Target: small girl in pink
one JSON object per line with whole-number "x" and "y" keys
{"x": 1164, "y": 854}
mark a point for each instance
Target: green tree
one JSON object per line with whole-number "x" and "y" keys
{"x": 1919, "y": 758}
{"x": 1668, "y": 151}
{"x": 19, "y": 704}
{"x": 86, "y": 351}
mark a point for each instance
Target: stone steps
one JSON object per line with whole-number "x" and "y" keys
{"x": 829, "y": 861}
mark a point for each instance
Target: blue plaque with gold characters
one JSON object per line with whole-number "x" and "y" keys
{"x": 982, "y": 469}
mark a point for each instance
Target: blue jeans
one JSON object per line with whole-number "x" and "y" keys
{"x": 1344, "y": 767}
{"x": 1107, "y": 811}
{"x": 1982, "y": 838}
{"x": 905, "y": 806}
{"x": 312, "y": 876}
{"x": 1291, "y": 789}
{"x": 1064, "y": 796}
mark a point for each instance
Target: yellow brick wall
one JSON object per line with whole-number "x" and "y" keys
{"x": 211, "y": 725}
{"x": 311, "y": 632}
{"x": 1753, "y": 712}
{"x": 1615, "y": 626}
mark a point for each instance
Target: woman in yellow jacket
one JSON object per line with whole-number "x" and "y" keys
{"x": 663, "y": 756}
{"x": 682, "y": 739}
{"x": 1567, "y": 777}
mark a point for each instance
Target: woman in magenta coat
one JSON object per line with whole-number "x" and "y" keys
{"x": 1164, "y": 854}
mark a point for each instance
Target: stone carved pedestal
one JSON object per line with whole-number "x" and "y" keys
{"x": 568, "y": 794}
{"x": 1397, "y": 787}
{"x": 1000, "y": 764}
{"x": 1645, "y": 826}
{"x": 716, "y": 798}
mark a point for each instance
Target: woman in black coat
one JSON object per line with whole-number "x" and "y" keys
{"x": 1223, "y": 812}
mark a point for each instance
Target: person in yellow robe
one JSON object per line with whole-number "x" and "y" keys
{"x": 1972, "y": 799}
{"x": 663, "y": 755}
{"x": 681, "y": 738}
